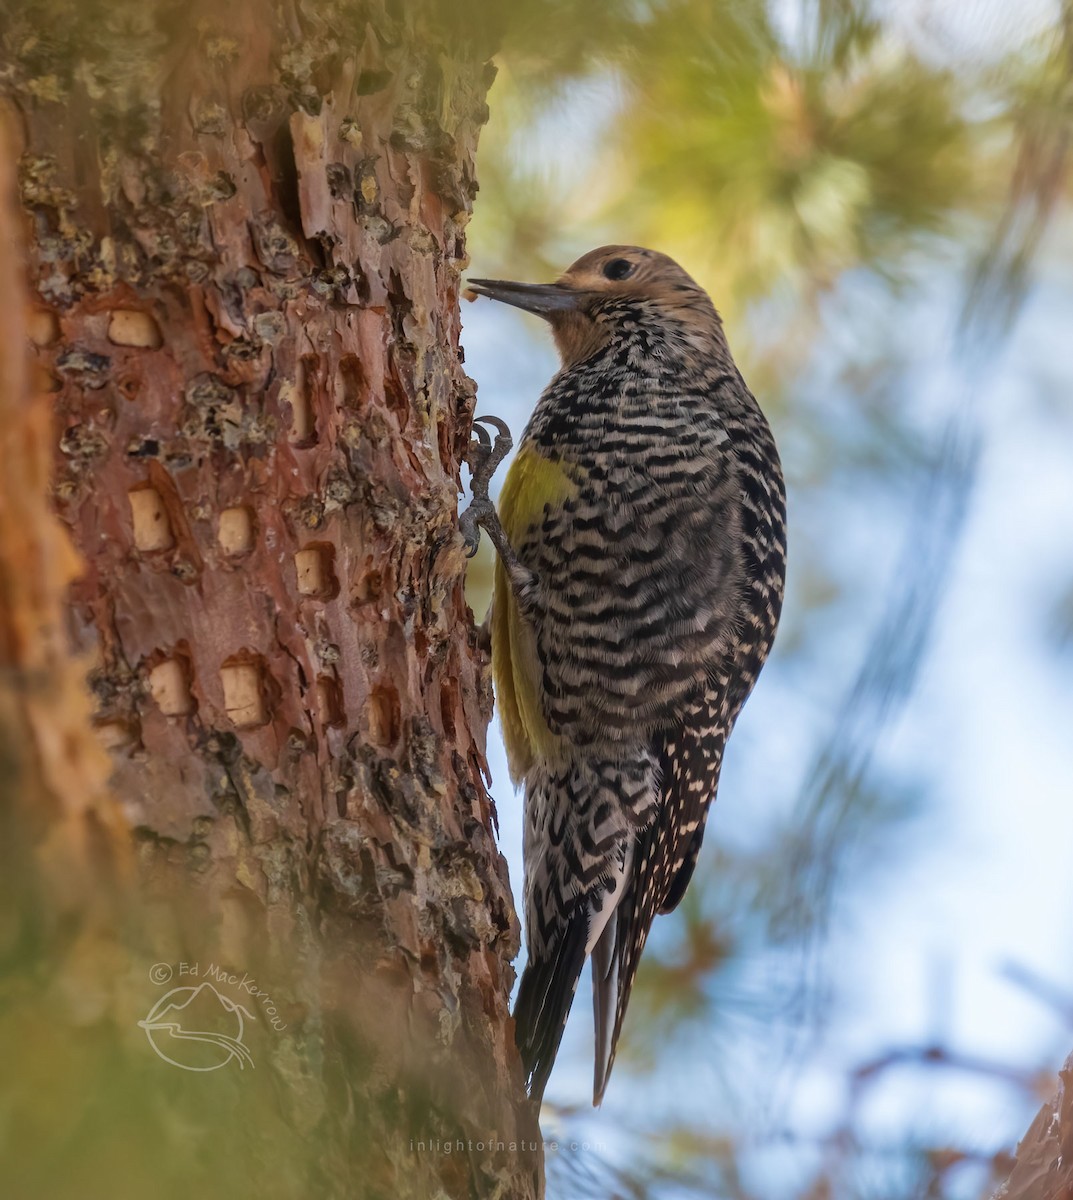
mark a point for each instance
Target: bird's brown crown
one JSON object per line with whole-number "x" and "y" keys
{"x": 625, "y": 273}
{"x": 605, "y": 288}
{"x": 627, "y": 270}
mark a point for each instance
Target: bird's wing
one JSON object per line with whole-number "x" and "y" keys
{"x": 666, "y": 852}
{"x": 690, "y": 756}
{"x": 641, "y": 578}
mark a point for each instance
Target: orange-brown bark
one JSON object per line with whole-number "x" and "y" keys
{"x": 1043, "y": 1162}
{"x": 245, "y": 232}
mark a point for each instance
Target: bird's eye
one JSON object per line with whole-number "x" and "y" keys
{"x": 618, "y": 268}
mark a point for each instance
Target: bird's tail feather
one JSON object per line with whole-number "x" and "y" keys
{"x": 616, "y": 956}
{"x": 544, "y": 998}
{"x": 580, "y": 830}
{"x": 613, "y": 968}
{"x": 605, "y": 974}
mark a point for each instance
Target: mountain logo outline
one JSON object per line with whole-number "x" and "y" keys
{"x": 198, "y": 1029}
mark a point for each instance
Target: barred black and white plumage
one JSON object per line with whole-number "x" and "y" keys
{"x": 642, "y": 555}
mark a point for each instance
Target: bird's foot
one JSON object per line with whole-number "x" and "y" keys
{"x": 484, "y": 457}
{"x": 478, "y": 515}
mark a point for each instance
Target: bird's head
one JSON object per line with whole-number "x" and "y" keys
{"x": 603, "y": 292}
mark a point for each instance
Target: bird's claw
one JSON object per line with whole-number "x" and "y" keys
{"x": 484, "y": 457}
{"x": 479, "y": 445}
{"x": 502, "y": 431}
{"x": 469, "y": 525}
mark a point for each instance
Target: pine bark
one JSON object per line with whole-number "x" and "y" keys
{"x": 1043, "y": 1164}
{"x": 245, "y": 230}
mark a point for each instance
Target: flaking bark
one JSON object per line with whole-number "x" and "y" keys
{"x": 245, "y": 233}
{"x": 1043, "y": 1163}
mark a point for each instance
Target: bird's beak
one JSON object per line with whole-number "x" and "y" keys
{"x": 544, "y": 299}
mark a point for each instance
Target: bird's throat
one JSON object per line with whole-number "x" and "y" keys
{"x": 578, "y": 336}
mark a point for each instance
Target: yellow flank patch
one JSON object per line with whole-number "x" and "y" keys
{"x": 532, "y": 484}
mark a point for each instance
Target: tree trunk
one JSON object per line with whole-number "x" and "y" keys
{"x": 1043, "y": 1164}
{"x": 245, "y": 231}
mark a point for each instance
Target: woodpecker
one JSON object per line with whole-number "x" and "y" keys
{"x": 641, "y": 553}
